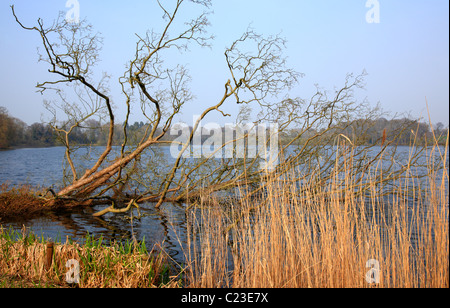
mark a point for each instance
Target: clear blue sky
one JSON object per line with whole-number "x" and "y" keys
{"x": 406, "y": 55}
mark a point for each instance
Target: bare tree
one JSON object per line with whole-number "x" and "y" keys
{"x": 258, "y": 77}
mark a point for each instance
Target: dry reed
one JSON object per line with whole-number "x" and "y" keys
{"x": 21, "y": 201}
{"x": 110, "y": 266}
{"x": 333, "y": 236}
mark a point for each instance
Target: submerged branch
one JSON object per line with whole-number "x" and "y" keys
{"x": 112, "y": 209}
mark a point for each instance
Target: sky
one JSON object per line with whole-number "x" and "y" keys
{"x": 405, "y": 53}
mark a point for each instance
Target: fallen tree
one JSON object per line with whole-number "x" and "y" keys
{"x": 259, "y": 75}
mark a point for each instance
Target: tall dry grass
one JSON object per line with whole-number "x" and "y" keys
{"x": 23, "y": 262}
{"x": 337, "y": 235}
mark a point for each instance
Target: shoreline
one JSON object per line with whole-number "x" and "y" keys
{"x": 170, "y": 143}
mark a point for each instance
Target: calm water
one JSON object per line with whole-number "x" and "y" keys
{"x": 33, "y": 166}
{"x": 43, "y": 167}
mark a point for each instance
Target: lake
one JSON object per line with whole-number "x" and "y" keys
{"x": 44, "y": 167}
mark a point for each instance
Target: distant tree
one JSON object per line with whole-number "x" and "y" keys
{"x": 12, "y": 130}
{"x": 439, "y": 127}
{"x": 4, "y": 128}
{"x": 41, "y": 135}
{"x": 441, "y": 133}
{"x": 92, "y": 131}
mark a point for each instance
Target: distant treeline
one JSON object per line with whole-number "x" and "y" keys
{"x": 16, "y": 133}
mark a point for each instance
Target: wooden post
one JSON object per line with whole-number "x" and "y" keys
{"x": 49, "y": 256}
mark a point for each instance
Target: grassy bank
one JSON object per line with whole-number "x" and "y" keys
{"x": 24, "y": 263}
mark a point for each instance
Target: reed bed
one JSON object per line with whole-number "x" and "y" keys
{"x": 337, "y": 235}
{"x": 23, "y": 263}
{"x": 20, "y": 201}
